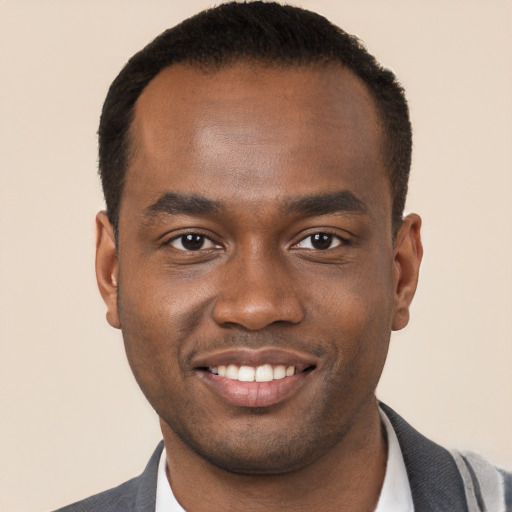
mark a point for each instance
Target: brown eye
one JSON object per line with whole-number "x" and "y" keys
{"x": 319, "y": 242}
{"x": 192, "y": 242}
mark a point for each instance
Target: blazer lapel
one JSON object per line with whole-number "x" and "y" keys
{"x": 146, "y": 492}
{"x": 436, "y": 484}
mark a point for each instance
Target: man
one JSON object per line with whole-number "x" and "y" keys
{"x": 254, "y": 161}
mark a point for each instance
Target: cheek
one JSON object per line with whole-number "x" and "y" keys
{"x": 156, "y": 317}
{"x": 156, "y": 300}
{"x": 356, "y": 312}
{"x": 162, "y": 314}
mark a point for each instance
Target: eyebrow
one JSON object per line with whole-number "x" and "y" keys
{"x": 324, "y": 204}
{"x": 174, "y": 203}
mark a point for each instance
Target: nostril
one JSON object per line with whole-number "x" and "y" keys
{"x": 254, "y": 313}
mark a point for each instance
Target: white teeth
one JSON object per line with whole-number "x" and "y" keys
{"x": 232, "y": 372}
{"x": 279, "y": 372}
{"x": 263, "y": 373}
{"x": 246, "y": 374}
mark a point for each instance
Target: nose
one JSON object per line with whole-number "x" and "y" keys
{"x": 257, "y": 291}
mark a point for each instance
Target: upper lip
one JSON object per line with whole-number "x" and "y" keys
{"x": 248, "y": 357}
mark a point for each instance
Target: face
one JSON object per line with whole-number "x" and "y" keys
{"x": 257, "y": 279}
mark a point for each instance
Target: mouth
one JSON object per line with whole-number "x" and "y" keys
{"x": 255, "y": 378}
{"x": 262, "y": 373}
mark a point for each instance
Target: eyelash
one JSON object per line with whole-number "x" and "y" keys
{"x": 321, "y": 237}
{"x": 181, "y": 238}
{"x": 332, "y": 237}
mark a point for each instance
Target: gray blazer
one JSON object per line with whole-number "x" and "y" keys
{"x": 440, "y": 481}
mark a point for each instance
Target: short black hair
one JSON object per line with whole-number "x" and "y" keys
{"x": 259, "y": 32}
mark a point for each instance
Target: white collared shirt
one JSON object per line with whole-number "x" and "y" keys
{"x": 395, "y": 495}
{"x": 165, "y": 500}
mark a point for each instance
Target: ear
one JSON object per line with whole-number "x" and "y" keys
{"x": 408, "y": 252}
{"x": 107, "y": 267}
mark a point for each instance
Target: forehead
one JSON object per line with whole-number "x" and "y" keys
{"x": 246, "y": 126}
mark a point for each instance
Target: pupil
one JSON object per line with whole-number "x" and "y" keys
{"x": 192, "y": 242}
{"x": 321, "y": 241}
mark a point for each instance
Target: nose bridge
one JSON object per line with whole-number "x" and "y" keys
{"x": 257, "y": 290}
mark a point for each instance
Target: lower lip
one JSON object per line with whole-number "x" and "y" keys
{"x": 254, "y": 394}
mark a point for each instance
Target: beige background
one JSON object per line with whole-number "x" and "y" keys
{"x": 72, "y": 420}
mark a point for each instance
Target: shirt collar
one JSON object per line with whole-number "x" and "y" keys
{"x": 395, "y": 495}
{"x": 165, "y": 500}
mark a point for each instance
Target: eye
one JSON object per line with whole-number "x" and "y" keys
{"x": 320, "y": 242}
{"x": 192, "y": 242}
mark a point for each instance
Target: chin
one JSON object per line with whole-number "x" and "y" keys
{"x": 268, "y": 460}
{"x": 249, "y": 450}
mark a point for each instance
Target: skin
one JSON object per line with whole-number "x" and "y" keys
{"x": 255, "y": 141}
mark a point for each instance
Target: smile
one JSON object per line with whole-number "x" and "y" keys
{"x": 262, "y": 373}
{"x": 255, "y": 378}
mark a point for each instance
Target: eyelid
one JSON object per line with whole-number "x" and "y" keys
{"x": 178, "y": 237}
{"x": 342, "y": 240}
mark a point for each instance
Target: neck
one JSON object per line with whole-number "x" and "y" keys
{"x": 351, "y": 473}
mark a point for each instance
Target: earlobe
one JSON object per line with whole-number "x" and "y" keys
{"x": 107, "y": 267}
{"x": 407, "y": 259}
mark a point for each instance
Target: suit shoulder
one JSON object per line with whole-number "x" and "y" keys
{"x": 116, "y": 499}
{"x": 137, "y": 494}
